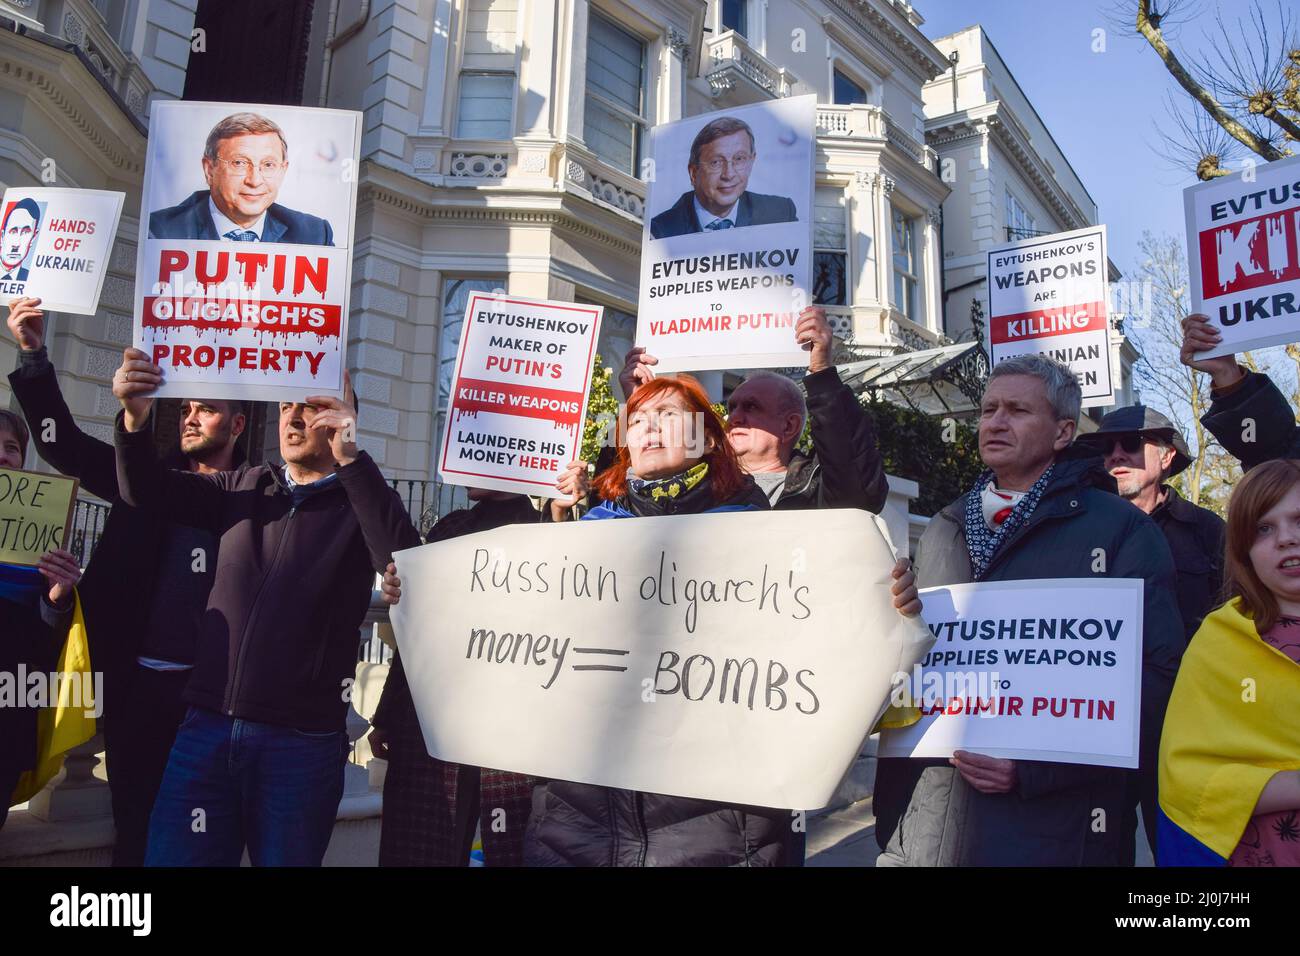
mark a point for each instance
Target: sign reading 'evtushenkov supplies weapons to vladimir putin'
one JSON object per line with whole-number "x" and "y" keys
{"x": 726, "y": 256}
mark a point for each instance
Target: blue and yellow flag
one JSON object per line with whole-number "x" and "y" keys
{"x": 67, "y": 724}
{"x": 1230, "y": 727}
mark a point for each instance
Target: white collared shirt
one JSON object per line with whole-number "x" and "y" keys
{"x": 224, "y": 225}
{"x": 705, "y": 217}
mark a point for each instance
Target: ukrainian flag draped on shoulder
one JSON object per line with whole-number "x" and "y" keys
{"x": 1230, "y": 726}
{"x": 68, "y": 724}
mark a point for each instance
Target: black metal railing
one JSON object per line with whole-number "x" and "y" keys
{"x": 88, "y": 520}
{"x": 1014, "y": 234}
{"x": 427, "y": 501}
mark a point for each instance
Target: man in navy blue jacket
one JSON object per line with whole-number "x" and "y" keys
{"x": 244, "y": 162}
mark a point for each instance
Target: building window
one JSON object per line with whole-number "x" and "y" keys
{"x": 847, "y": 91}
{"x": 905, "y": 265}
{"x": 615, "y": 116}
{"x": 735, "y": 16}
{"x": 485, "y": 105}
{"x": 617, "y": 336}
{"x": 830, "y": 247}
{"x": 1020, "y": 224}
{"x": 487, "y": 78}
{"x": 455, "y": 299}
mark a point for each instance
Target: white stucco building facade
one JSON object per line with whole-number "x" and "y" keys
{"x": 1009, "y": 178}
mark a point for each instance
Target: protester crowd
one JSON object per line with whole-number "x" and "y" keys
{"x": 224, "y": 600}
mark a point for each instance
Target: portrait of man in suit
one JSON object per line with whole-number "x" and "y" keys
{"x": 22, "y": 223}
{"x": 244, "y": 162}
{"x": 721, "y": 159}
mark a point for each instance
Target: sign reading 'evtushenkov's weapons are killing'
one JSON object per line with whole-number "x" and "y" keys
{"x": 1243, "y": 255}
{"x": 1048, "y": 295}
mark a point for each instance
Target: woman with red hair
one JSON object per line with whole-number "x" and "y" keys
{"x": 676, "y": 460}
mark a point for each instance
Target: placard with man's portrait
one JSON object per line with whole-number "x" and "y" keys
{"x": 727, "y": 249}
{"x": 244, "y": 263}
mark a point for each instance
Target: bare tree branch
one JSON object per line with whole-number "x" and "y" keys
{"x": 1148, "y": 25}
{"x": 1252, "y": 76}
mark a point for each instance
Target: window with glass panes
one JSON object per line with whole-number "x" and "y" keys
{"x": 614, "y": 123}
{"x": 617, "y": 335}
{"x": 830, "y": 247}
{"x": 735, "y": 16}
{"x": 847, "y": 91}
{"x": 1018, "y": 218}
{"x": 487, "y": 78}
{"x": 455, "y": 299}
{"x": 906, "y": 271}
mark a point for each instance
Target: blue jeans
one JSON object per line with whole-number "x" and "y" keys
{"x": 232, "y": 782}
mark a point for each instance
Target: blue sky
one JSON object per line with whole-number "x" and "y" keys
{"x": 1103, "y": 109}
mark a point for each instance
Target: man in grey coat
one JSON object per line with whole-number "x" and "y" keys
{"x": 1042, "y": 510}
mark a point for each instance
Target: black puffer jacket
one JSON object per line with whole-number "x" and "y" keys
{"x": 926, "y": 813}
{"x": 845, "y": 469}
{"x": 578, "y": 824}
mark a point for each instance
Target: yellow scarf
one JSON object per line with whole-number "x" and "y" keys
{"x": 64, "y": 726}
{"x": 1231, "y": 725}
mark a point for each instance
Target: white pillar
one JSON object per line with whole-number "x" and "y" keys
{"x": 537, "y": 71}
{"x": 435, "y": 74}
{"x": 574, "y": 107}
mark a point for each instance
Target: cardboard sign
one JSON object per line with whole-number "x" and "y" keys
{"x": 1048, "y": 295}
{"x": 55, "y": 244}
{"x": 245, "y": 258}
{"x": 1037, "y": 670}
{"x": 726, "y": 255}
{"x": 519, "y": 396}
{"x": 1243, "y": 255}
{"x": 35, "y": 514}
{"x": 739, "y": 657}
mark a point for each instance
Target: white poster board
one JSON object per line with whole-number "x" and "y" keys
{"x": 244, "y": 266}
{"x": 1243, "y": 255}
{"x": 55, "y": 244}
{"x": 519, "y": 393}
{"x": 1048, "y": 295}
{"x": 739, "y": 657}
{"x": 1034, "y": 670}
{"x": 729, "y": 297}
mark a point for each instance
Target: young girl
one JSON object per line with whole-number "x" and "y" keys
{"x": 1230, "y": 751}
{"x": 35, "y": 612}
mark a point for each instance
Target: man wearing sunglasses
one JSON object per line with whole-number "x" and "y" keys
{"x": 1142, "y": 451}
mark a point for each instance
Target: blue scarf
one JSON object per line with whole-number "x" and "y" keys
{"x": 984, "y": 544}
{"x": 20, "y": 585}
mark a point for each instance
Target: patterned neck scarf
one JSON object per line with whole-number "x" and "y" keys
{"x": 984, "y": 543}
{"x": 670, "y": 487}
